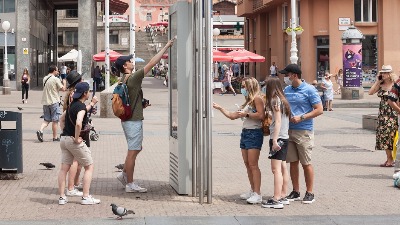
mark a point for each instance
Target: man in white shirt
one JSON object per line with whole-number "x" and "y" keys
{"x": 273, "y": 69}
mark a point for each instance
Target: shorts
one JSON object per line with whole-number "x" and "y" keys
{"x": 281, "y": 154}
{"x": 63, "y": 76}
{"x": 51, "y": 113}
{"x": 133, "y": 131}
{"x": 301, "y": 143}
{"x": 70, "y": 151}
{"x": 251, "y": 139}
{"x": 227, "y": 84}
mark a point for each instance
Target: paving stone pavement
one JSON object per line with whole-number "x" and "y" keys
{"x": 348, "y": 180}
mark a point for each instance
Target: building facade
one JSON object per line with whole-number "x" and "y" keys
{"x": 320, "y": 45}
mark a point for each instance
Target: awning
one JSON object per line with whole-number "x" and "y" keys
{"x": 118, "y": 6}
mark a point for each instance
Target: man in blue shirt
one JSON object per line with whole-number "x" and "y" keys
{"x": 236, "y": 69}
{"x": 305, "y": 104}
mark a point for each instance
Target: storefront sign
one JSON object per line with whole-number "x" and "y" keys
{"x": 117, "y": 19}
{"x": 352, "y": 63}
{"x": 344, "y": 22}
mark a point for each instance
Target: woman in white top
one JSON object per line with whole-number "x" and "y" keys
{"x": 327, "y": 86}
{"x": 279, "y": 107}
{"x": 339, "y": 81}
{"x": 252, "y": 113}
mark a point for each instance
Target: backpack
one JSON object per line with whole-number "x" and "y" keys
{"x": 120, "y": 101}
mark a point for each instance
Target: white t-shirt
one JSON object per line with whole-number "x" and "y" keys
{"x": 273, "y": 69}
{"x": 63, "y": 70}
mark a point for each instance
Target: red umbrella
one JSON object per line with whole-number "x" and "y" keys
{"x": 165, "y": 24}
{"x": 100, "y": 57}
{"x": 245, "y": 56}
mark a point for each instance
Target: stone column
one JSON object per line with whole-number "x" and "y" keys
{"x": 22, "y": 41}
{"x": 87, "y": 33}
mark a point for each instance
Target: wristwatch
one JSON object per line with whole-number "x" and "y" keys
{"x": 302, "y": 117}
{"x": 247, "y": 115}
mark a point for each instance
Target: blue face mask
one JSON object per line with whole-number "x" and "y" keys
{"x": 244, "y": 92}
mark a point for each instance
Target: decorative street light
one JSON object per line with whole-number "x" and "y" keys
{"x": 293, "y": 49}
{"x": 6, "y": 82}
{"x": 216, "y": 32}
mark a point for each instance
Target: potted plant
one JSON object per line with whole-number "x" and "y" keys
{"x": 298, "y": 30}
{"x": 289, "y": 31}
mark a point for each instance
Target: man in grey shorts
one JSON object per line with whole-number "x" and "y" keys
{"x": 133, "y": 127}
{"x": 51, "y": 102}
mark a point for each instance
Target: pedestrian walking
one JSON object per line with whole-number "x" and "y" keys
{"x": 227, "y": 81}
{"x": 133, "y": 127}
{"x": 387, "y": 116}
{"x": 273, "y": 69}
{"x": 305, "y": 104}
{"x": 236, "y": 69}
{"x": 327, "y": 87}
{"x": 97, "y": 77}
{"x": 25, "y": 80}
{"x": 73, "y": 123}
{"x": 63, "y": 73}
{"x": 252, "y": 112}
{"x": 277, "y": 104}
{"x": 51, "y": 102}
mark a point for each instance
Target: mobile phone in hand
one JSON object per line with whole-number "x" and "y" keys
{"x": 273, "y": 152}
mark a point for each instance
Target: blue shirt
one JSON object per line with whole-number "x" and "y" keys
{"x": 301, "y": 101}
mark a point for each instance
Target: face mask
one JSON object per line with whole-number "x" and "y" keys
{"x": 287, "y": 81}
{"x": 244, "y": 92}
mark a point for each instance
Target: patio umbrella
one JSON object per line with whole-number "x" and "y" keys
{"x": 218, "y": 56}
{"x": 137, "y": 59}
{"x": 70, "y": 56}
{"x": 245, "y": 56}
{"x": 100, "y": 57}
{"x": 165, "y": 24}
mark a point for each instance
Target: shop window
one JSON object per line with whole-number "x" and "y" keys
{"x": 60, "y": 39}
{"x": 369, "y": 58}
{"x": 365, "y": 10}
{"x": 71, "y": 37}
{"x": 71, "y": 13}
{"x": 284, "y": 17}
{"x": 148, "y": 17}
{"x": 114, "y": 37}
{"x": 9, "y": 6}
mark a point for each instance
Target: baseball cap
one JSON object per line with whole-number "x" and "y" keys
{"x": 120, "y": 62}
{"x": 80, "y": 88}
{"x": 291, "y": 68}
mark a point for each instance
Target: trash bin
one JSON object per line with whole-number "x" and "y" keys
{"x": 11, "y": 142}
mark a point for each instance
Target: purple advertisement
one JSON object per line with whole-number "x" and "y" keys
{"x": 352, "y": 62}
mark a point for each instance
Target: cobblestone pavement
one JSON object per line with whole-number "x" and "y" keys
{"x": 348, "y": 180}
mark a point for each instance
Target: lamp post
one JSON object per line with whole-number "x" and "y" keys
{"x": 216, "y": 32}
{"x": 6, "y": 82}
{"x": 293, "y": 49}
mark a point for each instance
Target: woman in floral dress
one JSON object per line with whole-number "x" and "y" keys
{"x": 387, "y": 117}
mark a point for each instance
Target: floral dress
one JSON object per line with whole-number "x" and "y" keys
{"x": 387, "y": 123}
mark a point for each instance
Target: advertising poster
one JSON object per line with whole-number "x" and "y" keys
{"x": 352, "y": 63}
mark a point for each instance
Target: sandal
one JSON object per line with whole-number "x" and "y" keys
{"x": 387, "y": 165}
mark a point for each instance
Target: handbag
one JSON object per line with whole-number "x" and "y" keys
{"x": 266, "y": 123}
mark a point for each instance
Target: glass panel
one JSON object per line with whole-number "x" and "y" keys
{"x": 357, "y": 10}
{"x": 374, "y": 6}
{"x": 173, "y": 79}
{"x": 71, "y": 13}
{"x": 369, "y": 58}
{"x": 114, "y": 39}
{"x": 9, "y": 6}
{"x": 365, "y": 11}
{"x": 1, "y": 6}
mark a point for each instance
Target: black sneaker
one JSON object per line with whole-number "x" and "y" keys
{"x": 56, "y": 139}
{"x": 272, "y": 203}
{"x": 293, "y": 196}
{"x": 284, "y": 201}
{"x": 308, "y": 198}
{"x": 39, "y": 135}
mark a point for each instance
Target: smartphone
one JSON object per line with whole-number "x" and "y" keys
{"x": 380, "y": 77}
{"x": 273, "y": 152}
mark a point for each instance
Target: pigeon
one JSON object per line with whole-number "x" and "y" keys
{"x": 48, "y": 165}
{"x": 120, "y": 166}
{"x": 19, "y": 108}
{"x": 120, "y": 211}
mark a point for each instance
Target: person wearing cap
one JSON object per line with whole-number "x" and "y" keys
{"x": 388, "y": 111}
{"x": 73, "y": 120}
{"x": 327, "y": 86}
{"x": 51, "y": 102}
{"x": 133, "y": 127}
{"x": 305, "y": 104}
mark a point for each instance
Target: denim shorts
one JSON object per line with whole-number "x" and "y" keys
{"x": 133, "y": 131}
{"x": 52, "y": 113}
{"x": 251, "y": 139}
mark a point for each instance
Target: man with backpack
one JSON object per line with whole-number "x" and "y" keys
{"x": 133, "y": 126}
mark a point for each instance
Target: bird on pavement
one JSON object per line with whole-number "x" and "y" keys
{"x": 120, "y": 211}
{"x": 120, "y": 166}
{"x": 19, "y": 108}
{"x": 48, "y": 165}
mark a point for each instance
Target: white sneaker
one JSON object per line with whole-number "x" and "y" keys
{"x": 132, "y": 187}
{"x": 254, "y": 199}
{"x": 62, "y": 200}
{"x": 246, "y": 195}
{"x": 122, "y": 178}
{"x": 74, "y": 192}
{"x": 89, "y": 200}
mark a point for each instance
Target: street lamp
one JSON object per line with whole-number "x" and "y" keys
{"x": 216, "y": 32}
{"x": 6, "y": 82}
{"x": 293, "y": 49}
